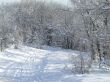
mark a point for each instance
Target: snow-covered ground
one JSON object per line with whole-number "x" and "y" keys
{"x": 27, "y": 64}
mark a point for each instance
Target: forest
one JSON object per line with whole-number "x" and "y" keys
{"x": 83, "y": 26}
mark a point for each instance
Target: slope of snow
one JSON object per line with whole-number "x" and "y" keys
{"x": 48, "y": 64}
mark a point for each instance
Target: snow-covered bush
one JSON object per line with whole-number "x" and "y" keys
{"x": 80, "y": 63}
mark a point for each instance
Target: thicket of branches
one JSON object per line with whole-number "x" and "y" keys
{"x": 39, "y": 24}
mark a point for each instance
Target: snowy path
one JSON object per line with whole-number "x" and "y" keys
{"x": 28, "y": 64}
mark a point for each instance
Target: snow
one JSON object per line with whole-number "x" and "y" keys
{"x": 48, "y": 64}
{"x": 87, "y": 78}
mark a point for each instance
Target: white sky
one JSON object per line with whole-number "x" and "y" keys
{"x": 65, "y": 2}
{"x": 4, "y": 1}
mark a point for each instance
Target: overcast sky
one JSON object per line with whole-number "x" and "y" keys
{"x": 65, "y": 2}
